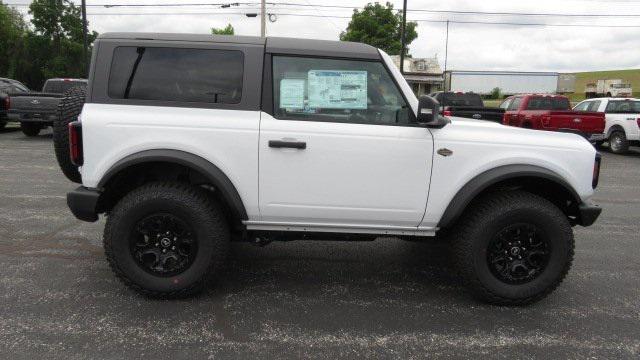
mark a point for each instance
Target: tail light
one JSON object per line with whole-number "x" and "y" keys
{"x": 75, "y": 143}
{"x": 596, "y": 171}
{"x": 7, "y": 103}
{"x": 504, "y": 119}
{"x": 637, "y": 121}
{"x": 447, "y": 111}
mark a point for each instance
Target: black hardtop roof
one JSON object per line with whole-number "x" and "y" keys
{"x": 275, "y": 45}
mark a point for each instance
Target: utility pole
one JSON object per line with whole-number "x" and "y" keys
{"x": 446, "y": 55}
{"x": 85, "y": 47}
{"x": 263, "y": 14}
{"x": 402, "y": 35}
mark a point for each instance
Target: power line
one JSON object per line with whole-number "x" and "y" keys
{"x": 349, "y": 17}
{"x": 454, "y": 12}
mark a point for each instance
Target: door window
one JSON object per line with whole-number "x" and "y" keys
{"x": 583, "y": 106}
{"x": 346, "y": 91}
{"x": 515, "y": 104}
{"x": 623, "y": 106}
{"x": 505, "y": 104}
{"x": 594, "y": 106}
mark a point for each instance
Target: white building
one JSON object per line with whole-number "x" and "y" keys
{"x": 424, "y": 75}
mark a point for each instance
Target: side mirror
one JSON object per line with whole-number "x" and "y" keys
{"x": 429, "y": 113}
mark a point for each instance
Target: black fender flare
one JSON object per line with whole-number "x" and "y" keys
{"x": 481, "y": 182}
{"x": 213, "y": 174}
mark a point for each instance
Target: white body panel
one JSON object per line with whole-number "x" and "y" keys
{"x": 628, "y": 122}
{"x": 349, "y": 174}
{"x": 226, "y": 138}
{"x": 479, "y": 146}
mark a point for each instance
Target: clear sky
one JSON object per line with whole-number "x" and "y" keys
{"x": 471, "y": 46}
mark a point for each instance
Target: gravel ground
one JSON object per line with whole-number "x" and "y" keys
{"x": 382, "y": 299}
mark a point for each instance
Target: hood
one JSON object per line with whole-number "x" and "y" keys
{"x": 480, "y": 131}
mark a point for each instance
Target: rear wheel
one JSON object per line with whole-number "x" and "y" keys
{"x": 618, "y": 143}
{"x": 69, "y": 109}
{"x": 30, "y": 129}
{"x": 164, "y": 239}
{"x": 513, "y": 248}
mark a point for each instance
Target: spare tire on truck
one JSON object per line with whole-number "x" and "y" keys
{"x": 68, "y": 110}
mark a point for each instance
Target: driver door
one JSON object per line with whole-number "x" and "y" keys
{"x": 341, "y": 147}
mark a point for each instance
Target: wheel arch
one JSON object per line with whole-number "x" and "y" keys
{"x": 615, "y": 127}
{"x": 535, "y": 179}
{"x": 200, "y": 170}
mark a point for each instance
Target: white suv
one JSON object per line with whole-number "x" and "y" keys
{"x": 622, "y": 116}
{"x": 187, "y": 142}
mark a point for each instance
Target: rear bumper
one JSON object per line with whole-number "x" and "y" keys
{"x": 589, "y": 213}
{"x": 31, "y": 116}
{"x": 83, "y": 203}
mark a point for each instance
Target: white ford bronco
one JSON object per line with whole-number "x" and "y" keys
{"x": 188, "y": 142}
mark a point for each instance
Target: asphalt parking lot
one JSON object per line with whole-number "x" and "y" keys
{"x": 382, "y": 299}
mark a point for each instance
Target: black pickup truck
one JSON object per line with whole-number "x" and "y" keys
{"x": 7, "y": 87}
{"x": 467, "y": 105}
{"x": 36, "y": 111}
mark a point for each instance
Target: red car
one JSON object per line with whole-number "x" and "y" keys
{"x": 552, "y": 113}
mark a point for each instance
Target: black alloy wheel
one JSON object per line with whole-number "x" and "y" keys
{"x": 163, "y": 245}
{"x": 518, "y": 254}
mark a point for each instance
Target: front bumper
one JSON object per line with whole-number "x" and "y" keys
{"x": 83, "y": 203}
{"x": 589, "y": 213}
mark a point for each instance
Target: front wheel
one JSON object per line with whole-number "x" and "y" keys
{"x": 30, "y": 129}
{"x": 513, "y": 248}
{"x": 164, "y": 239}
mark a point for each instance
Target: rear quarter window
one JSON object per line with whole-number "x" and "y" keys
{"x": 548, "y": 103}
{"x": 176, "y": 74}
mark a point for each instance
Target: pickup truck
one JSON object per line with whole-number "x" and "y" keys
{"x": 622, "y": 127}
{"x": 8, "y": 86}
{"x": 466, "y": 105}
{"x": 552, "y": 113}
{"x": 36, "y": 111}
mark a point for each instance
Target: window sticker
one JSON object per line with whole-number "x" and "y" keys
{"x": 336, "y": 89}
{"x": 292, "y": 93}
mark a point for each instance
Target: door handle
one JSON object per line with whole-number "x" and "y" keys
{"x": 301, "y": 145}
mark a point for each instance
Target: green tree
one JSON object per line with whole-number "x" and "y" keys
{"x": 228, "y": 30}
{"x": 379, "y": 26}
{"x": 12, "y": 30}
{"x": 496, "y": 93}
{"x": 56, "y": 46}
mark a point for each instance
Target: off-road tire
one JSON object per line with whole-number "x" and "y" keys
{"x": 30, "y": 129}
{"x": 618, "y": 143}
{"x": 483, "y": 220}
{"x": 192, "y": 205}
{"x": 68, "y": 110}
